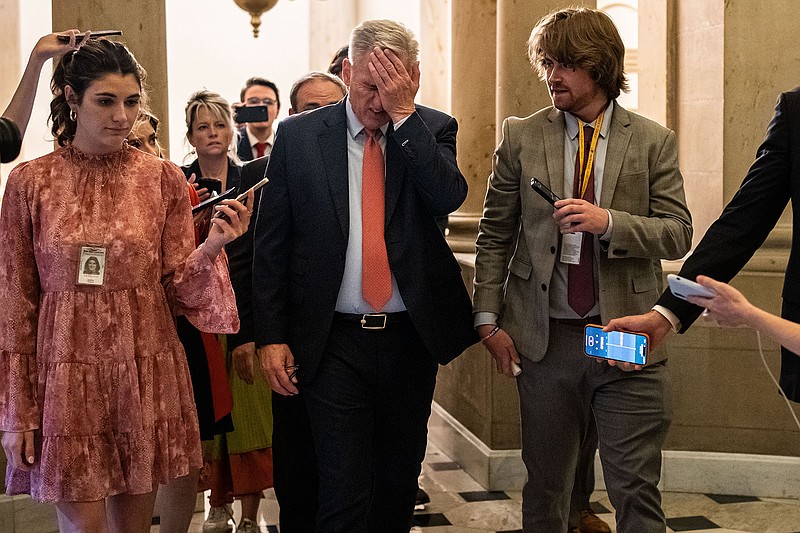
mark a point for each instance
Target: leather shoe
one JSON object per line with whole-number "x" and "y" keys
{"x": 591, "y": 523}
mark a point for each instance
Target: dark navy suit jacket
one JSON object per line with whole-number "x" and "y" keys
{"x": 302, "y": 231}
{"x": 772, "y": 181}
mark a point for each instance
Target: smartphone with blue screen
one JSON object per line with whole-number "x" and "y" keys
{"x": 621, "y": 346}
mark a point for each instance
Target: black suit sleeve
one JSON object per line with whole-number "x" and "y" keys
{"x": 272, "y": 252}
{"x": 432, "y": 160}
{"x": 753, "y": 212}
{"x": 240, "y": 257}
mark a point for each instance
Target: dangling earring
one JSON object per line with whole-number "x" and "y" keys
{"x": 73, "y": 116}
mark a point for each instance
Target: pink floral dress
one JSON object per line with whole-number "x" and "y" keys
{"x": 98, "y": 371}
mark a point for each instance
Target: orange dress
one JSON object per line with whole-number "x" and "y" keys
{"x": 98, "y": 371}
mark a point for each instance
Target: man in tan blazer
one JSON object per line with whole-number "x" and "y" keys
{"x": 545, "y": 271}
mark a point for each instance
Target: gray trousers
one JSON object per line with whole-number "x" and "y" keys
{"x": 632, "y": 410}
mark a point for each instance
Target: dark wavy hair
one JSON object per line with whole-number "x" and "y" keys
{"x": 585, "y": 38}
{"x": 79, "y": 69}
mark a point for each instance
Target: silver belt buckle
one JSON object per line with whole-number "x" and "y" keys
{"x": 364, "y": 321}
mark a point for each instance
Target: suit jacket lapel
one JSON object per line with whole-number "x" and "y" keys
{"x": 395, "y": 171}
{"x": 618, "y": 141}
{"x": 554, "y": 151}
{"x": 332, "y": 144}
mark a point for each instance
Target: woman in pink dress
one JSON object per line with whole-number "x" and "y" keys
{"x": 96, "y": 403}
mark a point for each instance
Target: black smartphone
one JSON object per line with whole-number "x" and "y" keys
{"x": 214, "y": 200}
{"x": 252, "y": 113}
{"x": 545, "y": 193}
{"x": 95, "y": 35}
{"x": 624, "y": 346}
{"x": 213, "y": 185}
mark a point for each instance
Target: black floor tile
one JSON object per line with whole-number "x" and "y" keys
{"x": 599, "y": 508}
{"x": 483, "y": 496}
{"x": 430, "y": 520}
{"x": 690, "y": 523}
{"x": 438, "y": 467}
{"x": 722, "y": 499}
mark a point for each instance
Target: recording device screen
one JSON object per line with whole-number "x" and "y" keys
{"x": 255, "y": 113}
{"x": 616, "y": 345}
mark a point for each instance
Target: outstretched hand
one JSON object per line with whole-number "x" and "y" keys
{"x": 51, "y": 46}
{"x": 728, "y": 306}
{"x": 232, "y": 224}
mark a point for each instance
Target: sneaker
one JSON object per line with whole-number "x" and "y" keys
{"x": 219, "y": 520}
{"x": 248, "y": 526}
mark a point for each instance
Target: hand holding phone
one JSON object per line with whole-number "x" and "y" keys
{"x": 682, "y": 287}
{"x": 544, "y": 192}
{"x": 242, "y": 197}
{"x": 623, "y": 346}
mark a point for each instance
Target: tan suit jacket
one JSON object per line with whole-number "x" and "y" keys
{"x": 518, "y": 240}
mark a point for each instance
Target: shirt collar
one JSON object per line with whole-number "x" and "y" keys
{"x": 354, "y": 126}
{"x": 572, "y": 122}
{"x": 253, "y": 140}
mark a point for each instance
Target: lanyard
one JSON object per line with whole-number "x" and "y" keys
{"x": 584, "y": 183}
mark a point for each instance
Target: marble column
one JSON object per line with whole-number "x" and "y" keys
{"x": 435, "y": 54}
{"x": 473, "y": 94}
{"x": 143, "y": 24}
{"x": 330, "y": 24}
{"x": 10, "y": 68}
{"x": 519, "y": 90}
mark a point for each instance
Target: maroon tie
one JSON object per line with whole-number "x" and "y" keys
{"x": 580, "y": 286}
{"x": 376, "y": 277}
{"x": 261, "y": 149}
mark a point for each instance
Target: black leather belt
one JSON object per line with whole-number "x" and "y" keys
{"x": 373, "y": 320}
{"x": 576, "y": 322}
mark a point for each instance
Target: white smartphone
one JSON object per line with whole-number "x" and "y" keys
{"x": 682, "y": 287}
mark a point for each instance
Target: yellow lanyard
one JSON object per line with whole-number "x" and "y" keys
{"x": 584, "y": 180}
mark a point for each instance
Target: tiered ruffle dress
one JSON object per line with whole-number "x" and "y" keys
{"x": 99, "y": 371}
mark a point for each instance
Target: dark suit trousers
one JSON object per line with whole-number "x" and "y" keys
{"x": 369, "y": 404}
{"x": 294, "y": 464}
{"x": 632, "y": 411}
{"x": 584, "y": 474}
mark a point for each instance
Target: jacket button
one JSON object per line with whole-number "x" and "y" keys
{"x": 552, "y": 249}
{"x": 544, "y": 287}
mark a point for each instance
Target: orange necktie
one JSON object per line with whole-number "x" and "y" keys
{"x": 376, "y": 278}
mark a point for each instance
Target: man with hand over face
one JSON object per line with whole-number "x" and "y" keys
{"x": 545, "y": 271}
{"x": 357, "y": 296}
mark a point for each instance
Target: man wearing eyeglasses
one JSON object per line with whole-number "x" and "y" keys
{"x": 257, "y": 137}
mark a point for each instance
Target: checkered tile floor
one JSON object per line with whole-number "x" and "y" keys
{"x": 459, "y": 505}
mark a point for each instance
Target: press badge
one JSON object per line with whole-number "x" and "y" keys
{"x": 91, "y": 265}
{"x": 571, "y": 248}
